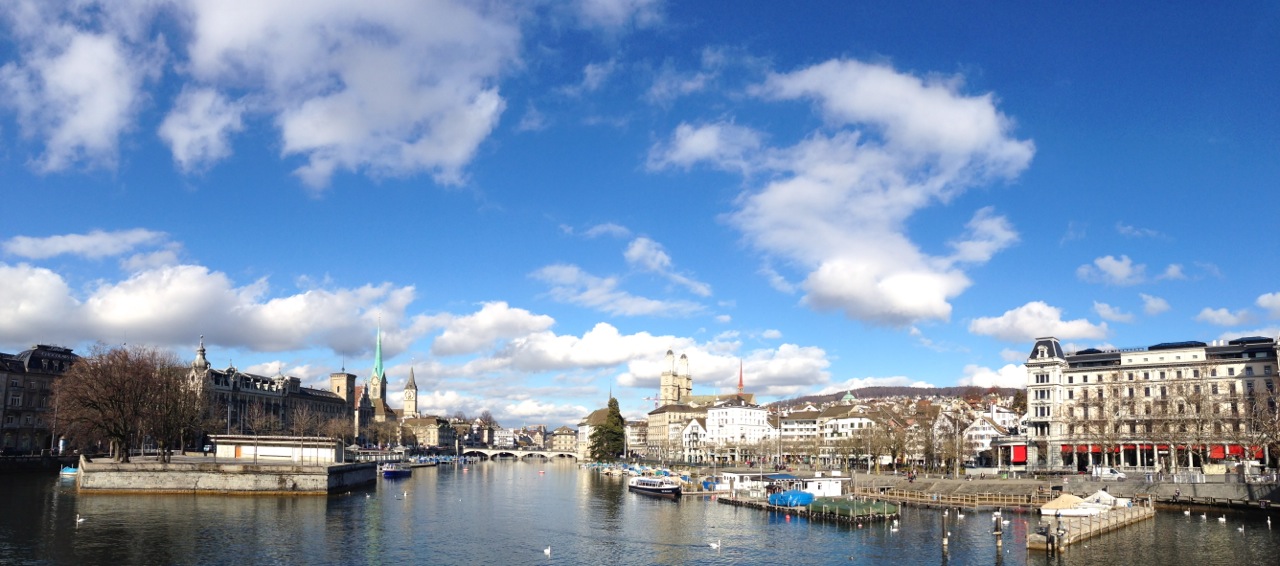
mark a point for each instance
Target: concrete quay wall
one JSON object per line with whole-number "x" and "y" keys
{"x": 222, "y": 478}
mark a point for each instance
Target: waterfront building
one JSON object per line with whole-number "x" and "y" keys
{"x": 429, "y": 431}
{"x": 637, "y": 437}
{"x": 27, "y": 416}
{"x": 247, "y": 403}
{"x": 504, "y": 438}
{"x": 1165, "y": 407}
{"x": 665, "y": 423}
{"x": 564, "y": 439}
{"x": 585, "y": 426}
{"x": 738, "y": 430}
{"x": 695, "y": 446}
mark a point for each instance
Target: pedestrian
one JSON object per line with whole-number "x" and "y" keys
{"x": 1177, "y": 493}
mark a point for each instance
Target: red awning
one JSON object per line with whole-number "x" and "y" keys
{"x": 1019, "y": 455}
{"x": 1216, "y": 451}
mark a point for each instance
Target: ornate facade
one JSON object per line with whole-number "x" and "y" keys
{"x": 27, "y": 416}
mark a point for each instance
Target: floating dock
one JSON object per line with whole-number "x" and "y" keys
{"x": 1060, "y": 532}
{"x": 843, "y": 510}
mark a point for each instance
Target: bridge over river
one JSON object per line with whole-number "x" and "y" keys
{"x": 491, "y": 453}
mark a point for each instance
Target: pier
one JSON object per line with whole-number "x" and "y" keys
{"x": 227, "y": 476}
{"x": 1057, "y": 533}
{"x": 843, "y": 510}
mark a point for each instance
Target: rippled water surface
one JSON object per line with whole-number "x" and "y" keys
{"x": 507, "y": 512}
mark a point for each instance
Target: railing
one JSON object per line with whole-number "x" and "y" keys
{"x": 961, "y": 500}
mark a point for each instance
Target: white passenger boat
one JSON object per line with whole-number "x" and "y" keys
{"x": 659, "y": 486}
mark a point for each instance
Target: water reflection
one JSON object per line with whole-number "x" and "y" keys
{"x": 507, "y": 512}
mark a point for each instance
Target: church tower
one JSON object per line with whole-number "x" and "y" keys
{"x": 410, "y": 398}
{"x": 676, "y": 384}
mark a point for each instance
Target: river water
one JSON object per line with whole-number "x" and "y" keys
{"x": 507, "y": 512}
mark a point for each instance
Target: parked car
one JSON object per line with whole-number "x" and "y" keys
{"x": 1108, "y": 473}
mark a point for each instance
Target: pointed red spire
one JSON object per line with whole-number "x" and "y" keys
{"x": 739, "y": 377}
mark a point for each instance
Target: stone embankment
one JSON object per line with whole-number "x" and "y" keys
{"x": 234, "y": 477}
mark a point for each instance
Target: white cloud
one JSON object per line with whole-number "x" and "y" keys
{"x": 860, "y": 382}
{"x": 1034, "y": 320}
{"x": 198, "y": 128}
{"x": 1152, "y": 305}
{"x": 1113, "y": 314}
{"x": 647, "y": 255}
{"x": 724, "y": 318}
{"x": 837, "y": 203}
{"x": 1223, "y": 317}
{"x": 771, "y": 334}
{"x": 607, "y": 229}
{"x": 594, "y": 76}
{"x": 1008, "y": 376}
{"x": 173, "y": 305}
{"x": 1270, "y": 302}
{"x": 727, "y": 146}
{"x": 614, "y": 15}
{"x": 570, "y": 284}
{"x": 988, "y": 234}
{"x": 385, "y": 89}
{"x": 495, "y": 321}
{"x": 532, "y": 120}
{"x": 1173, "y": 272}
{"x": 1135, "y": 232}
{"x": 95, "y": 244}
{"x": 76, "y": 85}
{"x": 1112, "y": 271}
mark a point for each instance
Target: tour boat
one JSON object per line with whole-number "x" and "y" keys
{"x": 69, "y": 471}
{"x": 659, "y": 486}
{"x": 396, "y": 470}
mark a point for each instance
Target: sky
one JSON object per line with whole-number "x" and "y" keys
{"x": 535, "y": 201}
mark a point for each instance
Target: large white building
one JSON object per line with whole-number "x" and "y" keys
{"x": 1167, "y": 406}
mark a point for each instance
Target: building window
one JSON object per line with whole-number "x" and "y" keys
{"x": 1130, "y": 376}
{"x": 1071, "y": 379}
{"x": 1086, "y": 379}
{"x": 1213, "y": 389}
{"x": 1231, "y": 372}
{"x": 1146, "y": 391}
{"x": 1071, "y": 394}
{"x": 1195, "y": 373}
{"x": 1179, "y": 374}
{"x": 1248, "y": 370}
{"x": 1161, "y": 375}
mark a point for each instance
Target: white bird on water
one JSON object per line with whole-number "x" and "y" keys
{"x": 1186, "y": 512}
{"x": 547, "y": 551}
{"x": 1222, "y": 519}
{"x": 959, "y": 515}
{"x": 1204, "y": 516}
{"x": 1240, "y": 528}
{"x": 79, "y": 519}
{"x": 1268, "y": 522}
{"x": 715, "y": 545}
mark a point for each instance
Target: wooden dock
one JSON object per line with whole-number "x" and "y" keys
{"x": 1065, "y": 531}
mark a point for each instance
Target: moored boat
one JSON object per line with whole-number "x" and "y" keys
{"x": 659, "y": 486}
{"x": 396, "y": 470}
{"x": 68, "y": 471}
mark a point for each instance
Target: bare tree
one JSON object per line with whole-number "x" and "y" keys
{"x": 175, "y": 407}
{"x": 110, "y": 392}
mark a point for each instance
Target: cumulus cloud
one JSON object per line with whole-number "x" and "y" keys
{"x": 1008, "y": 376}
{"x": 384, "y": 89}
{"x": 1152, "y": 305}
{"x": 199, "y": 126}
{"x": 724, "y": 145}
{"x": 837, "y": 203}
{"x": 1012, "y": 355}
{"x": 93, "y": 245}
{"x": 1173, "y": 272}
{"x": 1270, "y": 302}
{"x": 771, "y": 334}
{"x": 495, "y": 321}
{"x": 1033, "y": 320}
{"x": 173, "y": 305}
{"x": 570, "y": 284}
{"x": 76, "y": 85}
{"x": 1112, "y": 271}
{"x": 1113, "y": 314}
{"x": 647, "y": 255}
{"x": 1224, "y": 317}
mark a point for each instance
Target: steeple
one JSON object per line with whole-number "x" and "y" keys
{"x": 377, "y": 355}
{"x": 411, "y": 397}
{"x": 378, "y": 382}
{"x": 739, "y": 378}
{"x": 411, "y": 384}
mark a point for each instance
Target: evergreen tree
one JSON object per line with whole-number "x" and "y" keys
{"x": 608, "y": 439}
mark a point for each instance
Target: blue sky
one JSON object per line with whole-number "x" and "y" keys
{"x": 538, "y": 199}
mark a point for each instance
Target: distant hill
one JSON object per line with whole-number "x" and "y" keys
{"x": 901, "y": 391}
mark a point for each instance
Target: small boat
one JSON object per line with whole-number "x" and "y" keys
{"x": 69, "y": 471}
{"x": 659, "y": 486}
{"x": 396, "y": 470}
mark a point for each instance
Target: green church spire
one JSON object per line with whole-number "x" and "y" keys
{"x": 377, "y": 356}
